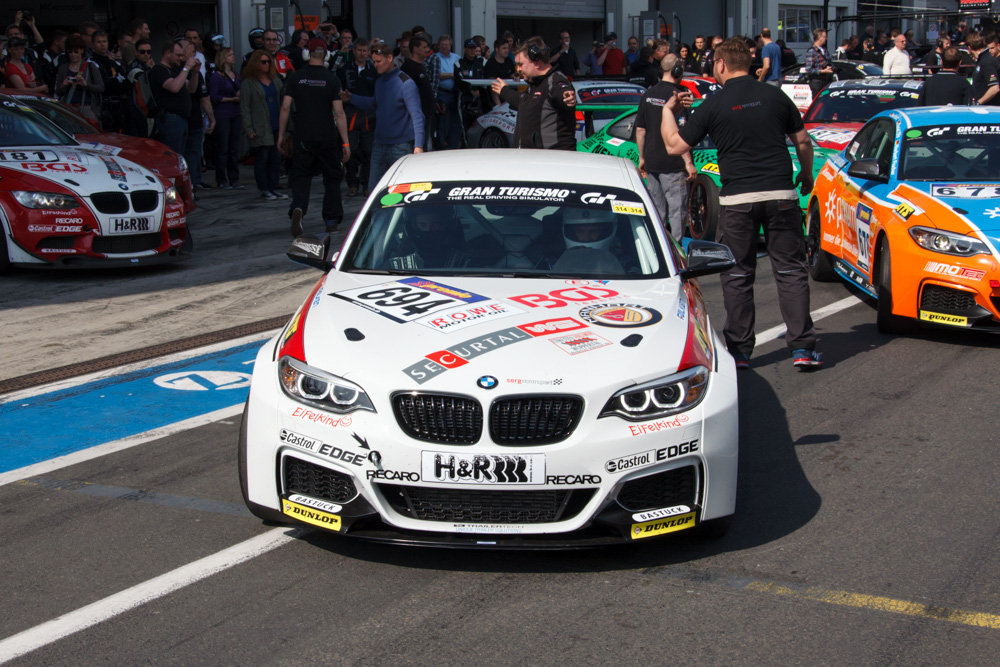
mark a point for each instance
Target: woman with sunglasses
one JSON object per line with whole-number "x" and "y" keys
{"x": 224, "y": 91}
{"x": 260, "y": 102}
{"x": 78, "y": 83}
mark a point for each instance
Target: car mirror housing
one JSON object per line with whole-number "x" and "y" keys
{"x": 867, "y": 169}
{"x": 312, "y": 250}
{"x": 706, "y": 257}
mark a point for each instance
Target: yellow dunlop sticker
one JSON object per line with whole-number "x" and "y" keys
{"x": 662, "y": 526}
{"x": 711, "y": 168}
{"x": 310, "y": 515}
{"x": 941, "y": 318}
{"x": 627, "y": 207}
{"x": 905, "y": 211}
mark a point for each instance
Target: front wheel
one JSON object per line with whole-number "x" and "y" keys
{"x": 703, "y": 208}
{"x": 4, "y": 256}
{"x": 885, "y": 321}
{"x": 713, "y": 528}
{"x": 266, "y": 514}
{"x": 820, "y": 262}
{"x": 493, "y": 138}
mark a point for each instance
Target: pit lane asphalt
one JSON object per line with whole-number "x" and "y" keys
{"x": 863, "y": 486}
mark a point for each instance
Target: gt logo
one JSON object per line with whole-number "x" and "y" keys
{"x": 936, "y": 132}
{"x": 596, "y": 198}
{"x": 419, "y": 196}
{"x": 905, "y": 211}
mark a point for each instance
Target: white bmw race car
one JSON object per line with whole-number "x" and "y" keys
{"x": 494, "y": 361}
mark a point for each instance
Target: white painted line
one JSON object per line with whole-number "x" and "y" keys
{"x": 100, "y": 611}
{"x": 97, "y": 451}
{"x": 818, "y": 314}
{"x": 137, "y": 366}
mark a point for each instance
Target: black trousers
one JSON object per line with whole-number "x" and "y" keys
{"x": 307, "y": 158}
{"x": 359, "y": 166}
{"x": 782, "y": 224}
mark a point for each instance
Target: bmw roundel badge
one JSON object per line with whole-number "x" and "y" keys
{"x": 487, "y": 382}
{"x": 123, "y": 186}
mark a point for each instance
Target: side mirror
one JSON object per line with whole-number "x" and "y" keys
{"x": 312, "y": 250}
{"x": 866, "y": 169}
{"x": 706, "y": 257}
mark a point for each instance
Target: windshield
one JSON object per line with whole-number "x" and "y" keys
{"x": 64, "y": 118}
{"x": 858, "y": 105}
{"x": 953, "y": 153}
{"x": 610, "y": 94}
{"x": 508, "y": 229}
{"x": 20, "y": 126}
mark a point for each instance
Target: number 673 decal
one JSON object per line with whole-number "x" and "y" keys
{"x": 408, "y": 299}
{"x": 967, "y": 190}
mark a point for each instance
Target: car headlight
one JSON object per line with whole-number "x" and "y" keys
{"x": 172, "y": 196}
{"x": 659, "y": 398}
{"x": 182, "y": 164}
{"x": 48, "y": 200}
{"x": 948, "y": 243}
{"x": 322, "y": 390}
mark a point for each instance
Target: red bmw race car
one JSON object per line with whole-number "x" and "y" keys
{"x": 63, "y": 205}
{"x": 840, "y": 109}
{"x": 147, "y": 152}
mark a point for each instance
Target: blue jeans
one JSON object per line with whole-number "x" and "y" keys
{"x": 192, "y": 153}
{"x": 227, "y": 137}
{"x": 173, "y": 131}
{"x": 383, "y": 157}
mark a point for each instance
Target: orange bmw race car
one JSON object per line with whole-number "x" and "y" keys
{"x": 909, "y": 212}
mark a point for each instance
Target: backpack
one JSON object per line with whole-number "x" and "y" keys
{"x": 142, "y": 93}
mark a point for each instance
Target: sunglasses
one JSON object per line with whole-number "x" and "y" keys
{"x": 265, "y": 62}
{"x": 144, "y": 51}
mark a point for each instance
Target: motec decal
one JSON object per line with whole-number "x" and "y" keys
{"x": 951, "y": 270}
{"x": 561, "y": 298}
{"x": 620, "y": 315}
{"x": 309, "y": 515}
{"x": 942, "y": 318}
{"x": 662, "y": 526}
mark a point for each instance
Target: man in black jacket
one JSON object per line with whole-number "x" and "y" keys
{"x": 470, "y": 66}
{"x": 414, "y": 68}
{"x": 546, "y": 111}
{"x": 116, "y": 85}
{"x": 946, "y": 87}
{"x": 358, "y": 77}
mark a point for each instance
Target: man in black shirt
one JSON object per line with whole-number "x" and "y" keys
{"x": 470, "y": 66}
{"x": 414, "y": 68}
{"x": 546, "y": 111}
{"x": 748, "y": 122}
{"x": 666, "y": 175}
{"x": 315, "y": 90}
{"x": 946, "y": 87}
{"x": 500, "y": 66}
{"x": 358, "y": 76}
{"x": 200, "y": 104}
{"x": 984, "y": 79}
{"x": 115, "y": 84}
{"x": 565, "y": 59}
{"x": 172, "y": 87}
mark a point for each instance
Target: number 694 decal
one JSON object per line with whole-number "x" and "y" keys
{"x": 408, "y": 299}
{"x": 967, "y": 190}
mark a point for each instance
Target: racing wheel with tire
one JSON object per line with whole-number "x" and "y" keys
{"x": 266, "y": 514}
{"x": 703, "y": 208}
{"x": 819, "y": 261}
{"x": 885, "y": 321}
{"x": 493, "y": 138}
{"x": 4, "y": 257}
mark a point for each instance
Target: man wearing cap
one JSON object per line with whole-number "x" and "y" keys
{"x": 256, "y": 39}
{"x": 470, "y": 66}
{"x": 612, "y": 59}
{"x": 315, "y": 90}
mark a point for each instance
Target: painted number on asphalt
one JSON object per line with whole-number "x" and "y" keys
{"x": 203, "y": 380}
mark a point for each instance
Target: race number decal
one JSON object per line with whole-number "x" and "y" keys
{"x": 967, "y": 190}
{"x": 28, "y": 156}
{"x": 862, "y": 224}
{"x": 408, "y": 299}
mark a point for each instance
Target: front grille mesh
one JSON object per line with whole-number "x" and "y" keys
{"x": 316, "y": 481}
{"x": 454, "y": 420}
{"x": 937, "y": 297}
{"x": 534, "y": 420}
{"x": 486, "y": 506}
{"x": 110, "y": 202}
{"x": 57, "y": 242}
{"x": 664, "y": 489}
{"x": 145, "y": 200}
{"x": 125, "y": 244}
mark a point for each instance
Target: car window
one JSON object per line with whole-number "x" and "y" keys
{"x": 623, "y": 129}
{"x": 20, "y": 126}
{"x": 953, "y": 153}
{"x": 508, "y": 229}
{"x": 64, "y": 118}
{"x": 872, "y": 141}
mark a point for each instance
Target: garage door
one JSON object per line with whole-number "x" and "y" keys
{"x": 568, "y": 9}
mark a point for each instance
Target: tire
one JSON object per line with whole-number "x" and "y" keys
{"x": 713, "y": 529}
{"x": 885, "y": 321}
{"x": 820, "y": 262}
{"x": 266, "y": 514}
{"x": 4, "y": 256}
{"x": 703, "y": 208}
{"x": 493, "y": 138}
{"x": 188, "y": 244}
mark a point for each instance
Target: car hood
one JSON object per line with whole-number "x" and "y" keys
{"x": 983, "y": 212}
{"x": 531, "y": 335}
{"x": 79, "y": 169}
{"x": 147, "y": 152}
{"x": 833, "y": 135}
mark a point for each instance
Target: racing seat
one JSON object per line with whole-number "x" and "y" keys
{"x": 589, "y": 261}
{"x": 515, "y": 246}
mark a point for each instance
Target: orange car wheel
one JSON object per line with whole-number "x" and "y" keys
{"x": 820, "y": 265}
{"x": 885, "y": 321}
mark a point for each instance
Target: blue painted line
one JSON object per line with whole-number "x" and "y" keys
{"x": 50, "y": 425}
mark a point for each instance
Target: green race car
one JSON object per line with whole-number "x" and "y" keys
{"x": 618, "y": 138}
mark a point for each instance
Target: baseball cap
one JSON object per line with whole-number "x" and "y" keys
{"x": 471, "y": 43}
{"x": 611, "y": 35}
{"x": 317, "y": 44}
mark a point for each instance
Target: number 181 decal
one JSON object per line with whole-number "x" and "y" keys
{"x": 408, "y": 299}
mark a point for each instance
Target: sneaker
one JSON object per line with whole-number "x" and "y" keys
{"x": 806, "y": 360}
{"x": 224, "y": 186}
{"x": 269, "y": 196}
{"x": 352, "y": 191}
{"x": 238, "y": 186}
{"x": 279, "y": 195}
{"x": 331, "y": 225}
{"x": 198, "y": 186}
{"x": 296, "y": 222}
{"x": 742, "y": 361}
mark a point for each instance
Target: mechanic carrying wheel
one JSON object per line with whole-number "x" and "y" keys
{"x": 546, "y": 116}
{"x": 748, "y": 121}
